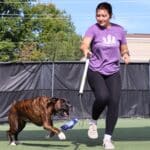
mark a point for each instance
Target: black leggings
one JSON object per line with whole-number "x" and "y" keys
{"x": 107, "y": 91}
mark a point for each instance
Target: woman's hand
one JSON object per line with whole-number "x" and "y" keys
{"x": 85, "y": 45}
{"x": 126, "y": 58}
{"x": 125, "y": 53}
{"x": 87, "y": 53}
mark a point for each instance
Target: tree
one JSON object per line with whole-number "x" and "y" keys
{"x": 37, "y": 33}
{"x": 11, "y": 28}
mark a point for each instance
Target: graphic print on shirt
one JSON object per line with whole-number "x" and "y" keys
{"x": 109, "y": 40}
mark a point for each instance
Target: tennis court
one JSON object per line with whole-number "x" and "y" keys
{"x": 130, "y": 134}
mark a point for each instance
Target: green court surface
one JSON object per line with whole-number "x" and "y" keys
{"x": 130, "y": 134}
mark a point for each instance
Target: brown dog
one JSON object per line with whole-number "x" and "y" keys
{"x": 38, "y": 111}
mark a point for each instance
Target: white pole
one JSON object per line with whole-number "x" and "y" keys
{"x": 84, "y": 76}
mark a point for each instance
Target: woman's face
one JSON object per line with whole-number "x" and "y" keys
{"x": 103, "y": 17}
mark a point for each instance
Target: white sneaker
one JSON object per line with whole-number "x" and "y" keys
{"x": 13, "y": 143}
{"x": 108, "y": 144}
{"x": 92, "y": 132}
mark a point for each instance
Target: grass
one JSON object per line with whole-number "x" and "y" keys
{"x": 130, "y": 134}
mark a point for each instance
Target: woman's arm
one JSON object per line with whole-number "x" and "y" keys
{"x": 85, "y": 47}
{"x": 125, "y": 53}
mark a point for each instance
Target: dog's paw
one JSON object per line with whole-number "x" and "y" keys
{"x": 13, "y": 143}
{"x": 61, "y": 136}
{"x": 49, "y": 135}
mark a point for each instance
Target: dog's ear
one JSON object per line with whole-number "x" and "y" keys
{"x": 51, "y": 101}
{"x": 59, "y": 103}
{"x": 54, "y": 99}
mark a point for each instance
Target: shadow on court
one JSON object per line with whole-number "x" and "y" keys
{"x": 79, "y": 136}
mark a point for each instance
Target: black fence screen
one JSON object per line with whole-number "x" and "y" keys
{"x": 62, "y": 79}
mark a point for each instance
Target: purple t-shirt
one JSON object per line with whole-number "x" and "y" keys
{"x": 105, "y": 48}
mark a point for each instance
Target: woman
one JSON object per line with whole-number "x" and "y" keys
{"x": 104, "y": 43}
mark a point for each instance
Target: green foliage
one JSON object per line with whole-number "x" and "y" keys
{"x": 6, "y": 50}
{"x": 36, "y": 33}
